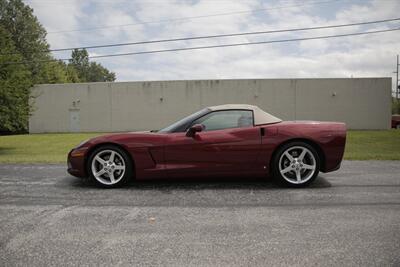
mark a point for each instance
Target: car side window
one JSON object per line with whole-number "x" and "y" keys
{"x": 226, "y": 119}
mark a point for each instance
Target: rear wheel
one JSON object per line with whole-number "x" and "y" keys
{"x": 296, "y": 164}
{"x": 109, "y": 166}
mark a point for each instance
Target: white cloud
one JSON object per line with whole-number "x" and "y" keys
{"x": 56, "y": 16}
{"x": 357, "y": 56}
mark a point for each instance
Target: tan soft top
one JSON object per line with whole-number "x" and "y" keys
{"x": 260, "y": 116}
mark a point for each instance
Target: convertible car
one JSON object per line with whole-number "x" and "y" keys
{"x": 227, "y": 140}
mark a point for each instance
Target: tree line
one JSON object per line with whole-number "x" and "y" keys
{"x": 23, "y": 39}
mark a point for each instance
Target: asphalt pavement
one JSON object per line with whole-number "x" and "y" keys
{"x": 350, "y": 217}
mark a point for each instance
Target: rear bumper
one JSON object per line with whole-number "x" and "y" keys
{"x": 76, "y": 162}
{"x": 334, "y": 149}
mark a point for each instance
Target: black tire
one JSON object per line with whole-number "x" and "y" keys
{"x": 292, "y": 148}
{"x": 121, "y": 157}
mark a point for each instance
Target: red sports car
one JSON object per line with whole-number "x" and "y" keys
{"x": 226, "y": 140}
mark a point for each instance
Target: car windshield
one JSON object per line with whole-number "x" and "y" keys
{"x": 177, "y": 126}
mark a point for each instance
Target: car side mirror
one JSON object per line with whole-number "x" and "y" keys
{"x": 191, "y": 132}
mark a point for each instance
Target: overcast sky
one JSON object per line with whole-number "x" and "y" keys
{"x": 359, "y": 56}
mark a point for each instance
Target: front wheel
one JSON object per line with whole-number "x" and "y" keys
{"x": 109, "y": 166}
{"x": 296, "y": 164}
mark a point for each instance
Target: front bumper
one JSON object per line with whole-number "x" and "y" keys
{"x": 76, "y": 162}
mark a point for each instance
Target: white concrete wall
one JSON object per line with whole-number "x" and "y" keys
{"x": 363, "y": 103}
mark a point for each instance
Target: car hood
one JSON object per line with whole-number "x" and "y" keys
{"x": 128, "y": 139}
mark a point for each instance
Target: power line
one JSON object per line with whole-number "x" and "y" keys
{"x": 214, "y": 46}
{"x": 248, "y": 43}
{"x": 190, "y": 18}
{"x": 225, "y": 35}
{"x": 219, "y": 36}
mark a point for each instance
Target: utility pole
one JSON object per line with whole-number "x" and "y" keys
{"x": 397, "y": 78}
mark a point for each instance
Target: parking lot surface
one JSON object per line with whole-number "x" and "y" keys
{"x": 347, "y": 218}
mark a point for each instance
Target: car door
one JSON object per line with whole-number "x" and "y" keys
{"x": 229, "y": 143}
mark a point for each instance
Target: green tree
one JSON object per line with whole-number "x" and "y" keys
{"x": 97, "y": 73}
{"x": 89, "y": 71}
{"x": 72, "y": 74}
{"x": 28, "y": 35}
{"x": 395, "y": 106}
{"x": 23, "y": 39}
{"x": 15, "y": 81}
{"x": 80, "y": 61}
{"x": 59, "y": 72}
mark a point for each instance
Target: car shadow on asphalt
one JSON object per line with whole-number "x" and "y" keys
{"x": 215, "y": 183}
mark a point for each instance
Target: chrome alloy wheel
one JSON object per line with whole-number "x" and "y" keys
{"x": 297, "y": 165}
{"x": 108, "y": 167}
